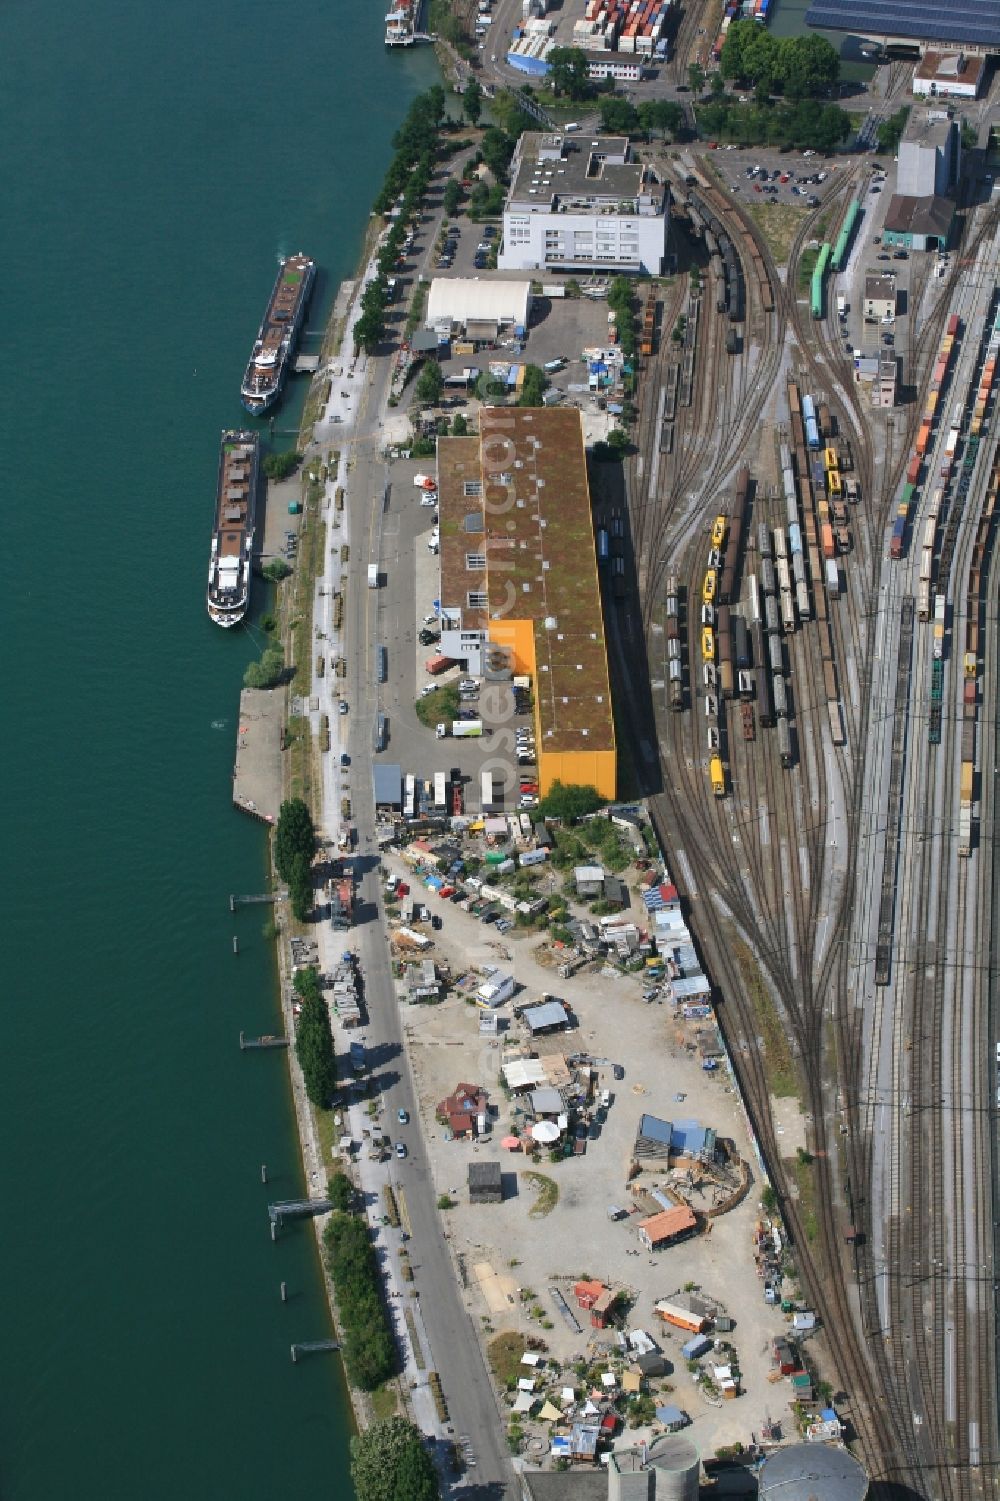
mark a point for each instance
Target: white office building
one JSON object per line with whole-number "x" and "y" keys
{"x": 579, "y": 203}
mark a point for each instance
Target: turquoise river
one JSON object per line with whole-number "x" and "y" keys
{"x": 156, "y": 161}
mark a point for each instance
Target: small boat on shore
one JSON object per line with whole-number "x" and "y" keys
{"x": 229, "y": 568}
{"x": 275, "y": 342}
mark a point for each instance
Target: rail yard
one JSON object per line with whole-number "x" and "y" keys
{"x": 813, "y": 575}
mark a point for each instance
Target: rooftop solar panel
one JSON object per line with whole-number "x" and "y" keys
{"x": 974, "y": 23}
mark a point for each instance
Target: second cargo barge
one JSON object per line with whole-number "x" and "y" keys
{"x": 230, "y": 565}
{"x": 275, "y": 342}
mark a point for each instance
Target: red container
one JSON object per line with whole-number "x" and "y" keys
{"x": 826, "y": 533}
{"x": 953, "y": 324}
{"x": 913, "y": 472}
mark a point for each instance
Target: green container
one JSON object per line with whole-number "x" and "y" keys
{"x": 294, "y": 507}
{"x": 495, "y": 858}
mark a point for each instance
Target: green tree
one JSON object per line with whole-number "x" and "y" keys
{"x": 472, "y": 101}
{"x": 570, "y": 803}
{"x": 717, "y": 85}
{"x": 452, "y": 197}
{"x": 661, "y": 114}
{"x": 268, "y": 672}
{"x": 532, "y": 387}
{"x": 497, "y": 150}
{"x": 341, "y": 1192}
{"x": 696, "y": 77}
{"x": 568, "y": 72}
{"x": 416, "y": 1479}
{"x": 314, "y": 1050}
{"x": 890, "y": 132}
{"x": 618, "y": 115}
{"x": 281, "y": 465}
{"x": 618, "y": 442}
{"x": 376, "y": 1456}
{"x": 277, "y": 570}
{"x": 294, "y": 835}
{"x": 430, "y": 383}
{"x": 368, "y": 331}
{"x": 459, "y": 426}
{"x": 300, "y": 888}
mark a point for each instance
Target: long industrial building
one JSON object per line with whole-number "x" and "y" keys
{"x": 914, "y": 23}
{"x": 519, "y": 587}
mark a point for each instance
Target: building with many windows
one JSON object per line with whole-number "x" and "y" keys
{"x": 580, "y": 203}
{"x": 519, "y": 587}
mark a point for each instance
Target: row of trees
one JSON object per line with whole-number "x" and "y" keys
{"x": 805, "y": 125}
{"x": 294, "y": 848}
{"x": 390, "y": 1462}
{"x": 801, "y": 67}
{"x": 314, "y": 1040}
{"x": 406, "y": 183}
{"x": 369, "y": 1352}
{"x": 621, "y": 117}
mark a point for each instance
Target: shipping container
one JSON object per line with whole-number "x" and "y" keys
{"x": 965, "y": 790}
{"x": 832, "y": 578}
{"x": 826, "y": 537}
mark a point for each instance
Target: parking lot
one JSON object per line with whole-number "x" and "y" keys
{"x": 786, "y": 177}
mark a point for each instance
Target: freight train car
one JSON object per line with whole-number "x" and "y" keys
{"x": 785, "y": 751}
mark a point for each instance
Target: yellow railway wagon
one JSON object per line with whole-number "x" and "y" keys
{"x": 708, "y": 644}
{"x": 718, "y": 776}
{"x": 708, "y": 587}
{"x": 719, "y": 532}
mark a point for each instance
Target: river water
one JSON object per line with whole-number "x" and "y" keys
{"x": 156, "y": 161}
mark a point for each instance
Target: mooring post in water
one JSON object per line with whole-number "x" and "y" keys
{"x": 274, "y": 1231}
{"x": 263, "y": 1172}
{"x": 236, "y": 944}
{"x": 284, "y": 1292}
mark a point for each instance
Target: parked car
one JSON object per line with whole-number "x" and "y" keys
{"x": 618, "y": 1072}
{"x": 401, "y": 1149}
{"x": 436, "y": 923}
{"x": 403, "y": 1116}
{"x": 342, "y": 706}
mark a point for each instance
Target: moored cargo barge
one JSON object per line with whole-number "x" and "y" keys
{"x": 275, "y": 342}
{"x": 229, "y": 568}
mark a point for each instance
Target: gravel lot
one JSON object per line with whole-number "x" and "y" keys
{"x": 504, "y": 1249}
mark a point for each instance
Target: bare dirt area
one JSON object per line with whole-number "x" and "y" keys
{"x": 516, "y": 1256}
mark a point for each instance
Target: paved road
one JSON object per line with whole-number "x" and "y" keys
{"x": 453, "y": 1341}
